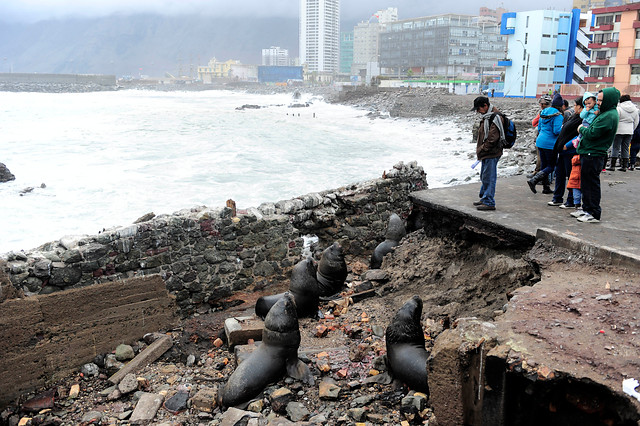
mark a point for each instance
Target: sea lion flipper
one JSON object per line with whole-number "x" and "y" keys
{"x": 300, "y": 371}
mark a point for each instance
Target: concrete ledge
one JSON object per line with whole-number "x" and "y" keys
{"x": 606, "y": 254}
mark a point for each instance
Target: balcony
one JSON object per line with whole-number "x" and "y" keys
{"x": 609, "y": 44}
{"x": 634, "y": 61}
{"x": 598, "y": 79}
{"x": 603, "y": 27}
{"x": 636, "y": 24}
{"x": 599, "y": 62}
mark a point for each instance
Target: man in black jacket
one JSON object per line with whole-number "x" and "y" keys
{"x": 563, "y": 165}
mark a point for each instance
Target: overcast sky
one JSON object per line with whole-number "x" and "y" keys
{"x": 352, "y": 10}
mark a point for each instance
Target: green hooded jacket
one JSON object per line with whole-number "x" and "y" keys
{"x": 598, "y": 137}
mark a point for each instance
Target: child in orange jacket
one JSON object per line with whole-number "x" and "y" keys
{"x": 574, "y": 185}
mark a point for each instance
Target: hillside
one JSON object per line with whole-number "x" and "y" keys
{"x": 139, "y": 44}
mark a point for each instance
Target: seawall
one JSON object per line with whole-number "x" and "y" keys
{"x": 35, "y": 82}
{"x": 204, "y": 255}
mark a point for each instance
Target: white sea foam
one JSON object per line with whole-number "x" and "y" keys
{"x": 109, "y": 157}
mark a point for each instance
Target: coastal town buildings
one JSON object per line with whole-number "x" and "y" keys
{"x": 215, "y": 69}
{"x": 275, "y": 56}
{"x": 366, "y": 43}
{"x": 587, "y": 5}
{"x": 444, "y": 46}
{"x": 615, "y": 48}
{"x": 320, "y": 35}
{"x": 545, "y": 49}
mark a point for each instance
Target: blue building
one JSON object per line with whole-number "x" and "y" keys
{"x": 545, "y": 49}
{"x": 273, "y": 74}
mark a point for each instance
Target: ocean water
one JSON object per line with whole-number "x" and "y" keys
{"x": 107, "y": 158}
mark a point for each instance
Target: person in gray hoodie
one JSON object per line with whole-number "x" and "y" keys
{"x": 626, "y": 125}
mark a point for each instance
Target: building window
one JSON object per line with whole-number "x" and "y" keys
{"x": 618, "y": 17}
{"x": 524, "y": 54}
{"x": 635, "y": 69}
{"x": 604, "y": 20}
{"x": 527, "y": 26}
{"x": 611, "y": 71}
{"x": 526, "y": 38}
{"x": 522, "y": 86}
{"x": 615, "y": 36}
{"x": 636, "y": 54}
{"x": 637, "y": 34}
{"x": 546, "y": 35}
{"x": 523, "y": 70}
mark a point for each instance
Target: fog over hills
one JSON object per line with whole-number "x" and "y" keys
{"x": 140, "y": 44}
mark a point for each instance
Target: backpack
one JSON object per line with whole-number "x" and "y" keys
{"x": 510, "y": 132}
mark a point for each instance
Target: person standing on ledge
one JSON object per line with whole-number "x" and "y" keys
{"x": 488, "y": 150}
{"x": 594, "y": 142}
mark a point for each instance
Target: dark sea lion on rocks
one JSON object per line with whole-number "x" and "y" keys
{"x": 332, "y": 270}
{"x": 406, "y": 353}
{"x": 395, "y": 232}
{"x": 269, "y": 362}
{"x": 304, "y": 288}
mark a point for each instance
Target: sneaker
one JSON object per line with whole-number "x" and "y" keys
{"x": 478, "y": 203}
{"x": 485, "y": 207}
{"x": 567, "y": 206}
{"x": 554, "y": 204}
{"x": 588, "y": 218}
{"x": 578, "y": 213}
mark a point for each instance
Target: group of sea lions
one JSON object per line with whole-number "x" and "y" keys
{"x": 278, "y": 353}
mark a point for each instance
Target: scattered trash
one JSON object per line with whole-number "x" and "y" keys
{"x": 629, "y": 387}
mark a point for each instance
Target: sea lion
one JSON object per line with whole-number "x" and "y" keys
{"x": 332, "y": 270}
{"x": 406, "y": 353}
{"x": 395, "y": 232}
{"x": 304, "y": 288}
{"x": 269, "y": 362}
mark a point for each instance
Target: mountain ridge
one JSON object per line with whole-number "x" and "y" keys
{"x": 143, "y": 44}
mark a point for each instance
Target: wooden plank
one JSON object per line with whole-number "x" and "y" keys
{"x": 144, "y": 358}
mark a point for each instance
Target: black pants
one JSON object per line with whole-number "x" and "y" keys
{"x": 591, "y": 167}
{"x": 563, "y": 170}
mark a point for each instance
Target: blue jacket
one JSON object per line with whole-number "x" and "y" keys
{"x": 549, "y": 128}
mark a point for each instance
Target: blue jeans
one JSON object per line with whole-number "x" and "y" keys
{"x": 547, "y": 160}
{"x": 577, "y": 196}
{"x": 488, "y": 177}
{"x": 563, "y": 170}
{"x": 591, "y": 167}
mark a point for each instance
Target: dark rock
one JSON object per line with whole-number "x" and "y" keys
{"x": 5, "y": 174}
{"x": 177, "y": 403}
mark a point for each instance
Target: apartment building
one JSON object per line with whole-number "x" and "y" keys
{"x": 448, "y": 45}
{"x": 320, "y": 35}
{"x": 346, "y": 52}
{"x": 544, "y": 49}
{"x": 275, "y": 56}
{"x": 615, "y": 48}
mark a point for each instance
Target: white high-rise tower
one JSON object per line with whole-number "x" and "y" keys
{"x": 320, "y": 34}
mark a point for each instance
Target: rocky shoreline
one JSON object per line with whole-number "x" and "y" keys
{"x": 457, "y": 277}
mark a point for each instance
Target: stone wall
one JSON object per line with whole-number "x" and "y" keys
{"x": 205, "y": 255}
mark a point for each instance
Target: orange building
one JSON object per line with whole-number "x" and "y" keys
{"x": 615, "y": 47}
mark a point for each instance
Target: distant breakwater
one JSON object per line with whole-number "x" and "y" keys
{"x": 204, "y": 255}
{"x": 56, "y": 83}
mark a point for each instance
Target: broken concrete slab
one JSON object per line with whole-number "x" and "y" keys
{"x": 240, "y": 329}
{"x": 146, "y": 408}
